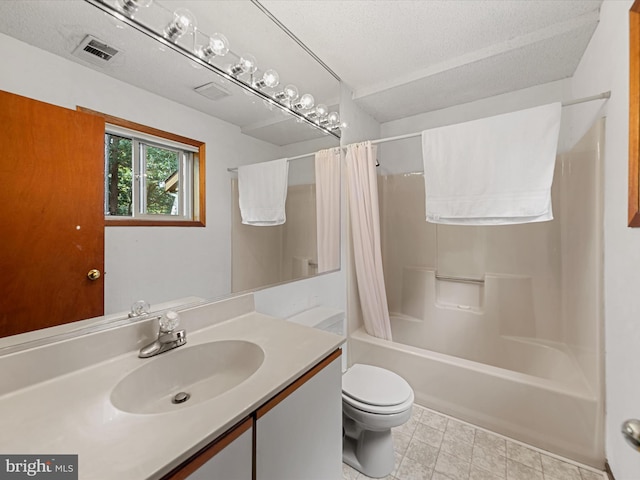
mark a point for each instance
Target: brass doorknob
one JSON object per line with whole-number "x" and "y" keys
{"x": 93, "y": 274}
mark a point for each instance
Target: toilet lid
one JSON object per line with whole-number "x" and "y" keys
{"x": 375, "y": 386}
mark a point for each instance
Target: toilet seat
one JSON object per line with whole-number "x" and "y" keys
{"x": 376, "y": 390}
{"x": 378, "y": 410}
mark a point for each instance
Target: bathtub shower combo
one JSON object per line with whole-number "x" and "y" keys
{"x": 500, "y": 326}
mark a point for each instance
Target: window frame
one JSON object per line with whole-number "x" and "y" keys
{"x": 197, "y": 166}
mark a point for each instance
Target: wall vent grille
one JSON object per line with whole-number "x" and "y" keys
{"x": 95, "y": 51}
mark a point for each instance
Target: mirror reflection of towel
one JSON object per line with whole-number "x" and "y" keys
{"x": 492, "y": 171}
{"x": 262, "y": 188}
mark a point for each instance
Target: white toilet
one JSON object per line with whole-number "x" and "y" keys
{"x": 374, "y": 400}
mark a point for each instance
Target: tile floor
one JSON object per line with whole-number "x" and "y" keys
{"x": 432, "y": 446}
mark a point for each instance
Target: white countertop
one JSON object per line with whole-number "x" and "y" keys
{"x": 73, "y": 414}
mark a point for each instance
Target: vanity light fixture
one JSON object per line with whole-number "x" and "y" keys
{"x": 201, "y": 55}
{"x": 130, "y": 7}
{"x": 321, "y": 110}
{"x": 288, "y": 95}
{"x": 319, "y": 113}
{"x": 183, "y": 20}
{"x": 218, "y": 46}
{"x": 246, "y": 64}
{"x": 270, "y": 79}
{"x": 306, "y": 102}
{"x": 332, "y": 121}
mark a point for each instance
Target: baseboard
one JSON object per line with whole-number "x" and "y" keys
{"x": 607, "y": 469}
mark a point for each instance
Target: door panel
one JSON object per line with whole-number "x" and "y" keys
{"x": 51, "y": 214}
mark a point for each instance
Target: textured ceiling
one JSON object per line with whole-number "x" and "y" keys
{"x": 405, "y": 57}
{"x": 399, "y": 58}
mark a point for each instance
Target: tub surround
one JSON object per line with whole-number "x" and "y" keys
{"x": 56, "y": 398}
{"x": 501, "y": 400}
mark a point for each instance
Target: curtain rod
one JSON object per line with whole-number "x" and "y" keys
{"x": 297, "y": 157}
{"x": 601, "y": 96}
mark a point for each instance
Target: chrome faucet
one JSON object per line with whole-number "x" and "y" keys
{"x": 168, "y": 338}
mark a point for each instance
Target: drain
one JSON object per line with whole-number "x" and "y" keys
{"x": 180, "y": 397}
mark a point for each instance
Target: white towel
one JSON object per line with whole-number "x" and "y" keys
{"x": 492, "y": 171}
{"x": 262, "y": 188}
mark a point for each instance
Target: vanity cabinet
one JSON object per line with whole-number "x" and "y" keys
{"x": 299, "y": 431}
{"x": 296, "y": 435}
{"x": 227, "y": 458}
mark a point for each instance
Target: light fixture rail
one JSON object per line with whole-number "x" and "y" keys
{"x": 192, "y": 56}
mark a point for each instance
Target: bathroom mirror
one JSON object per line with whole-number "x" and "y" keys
{"x": 634, "y": 115}
{"x": 161, "y": 264}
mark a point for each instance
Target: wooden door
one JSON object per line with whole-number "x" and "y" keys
{"x": 51, "y": 214}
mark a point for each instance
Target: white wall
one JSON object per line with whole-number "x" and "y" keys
{"x": 604, "y": 66}
{"x": 151, "y": 263}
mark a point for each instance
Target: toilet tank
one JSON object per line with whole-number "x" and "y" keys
{"x": 323, "y": 318}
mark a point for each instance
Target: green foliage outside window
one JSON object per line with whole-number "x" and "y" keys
{"x": 119, "y": 175}
{"x": 159, "y": 170}
{"x": 161, "y": 164}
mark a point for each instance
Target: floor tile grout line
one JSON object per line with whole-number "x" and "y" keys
{"x": 532, "y": 447}
{"x": 540, "y": 452}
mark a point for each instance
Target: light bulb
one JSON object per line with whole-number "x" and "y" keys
{"x": 321, "y": 110}
{"x": 182, "y": 21}
{"x": 130, "y": 7}
{"x": 270, "y": 79}
{"x": 218, "y": 46}
{"x": 248, "y": 63}
{"x": 306, "y": 102}
{"x": 291, "y": 91}
{"x": 333, "y": 118}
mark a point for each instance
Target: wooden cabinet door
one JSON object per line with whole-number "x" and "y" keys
{"x": 51, "y": 214}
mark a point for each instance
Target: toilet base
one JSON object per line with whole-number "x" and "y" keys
{"x": 370, "y": 452}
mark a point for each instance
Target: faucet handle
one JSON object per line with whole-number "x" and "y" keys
{"x": 139, "y": 308}
{"x": 169, "y": 321}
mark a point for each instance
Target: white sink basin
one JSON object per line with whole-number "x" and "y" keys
{"x": 202, "y": 371}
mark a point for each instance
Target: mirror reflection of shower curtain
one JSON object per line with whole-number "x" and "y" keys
{"x": 365, "y": 229}
{"x": 327, "y": 166}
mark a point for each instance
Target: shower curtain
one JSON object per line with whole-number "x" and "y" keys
{"x": 327, "y": 165}
{"x": 365, "y": 228}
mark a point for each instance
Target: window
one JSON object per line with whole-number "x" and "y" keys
{"x": 147, "y": 179}
{"x": 151, "y": 177}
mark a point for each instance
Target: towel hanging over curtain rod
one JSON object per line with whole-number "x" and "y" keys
{"x": 601, "y": 96}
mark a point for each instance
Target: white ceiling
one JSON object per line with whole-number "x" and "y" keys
{"x": 400, "y": 57}
{"x": 403, "y": 57}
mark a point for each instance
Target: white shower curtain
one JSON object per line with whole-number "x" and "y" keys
{"x": 327, "y": 164}
{"x": 365, "y": 228}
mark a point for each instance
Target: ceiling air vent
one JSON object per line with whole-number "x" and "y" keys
{"x": 95, "y": 51}
{"x": 212, "y": 91}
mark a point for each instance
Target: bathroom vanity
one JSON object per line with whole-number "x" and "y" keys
{"x": 265, "y": 399}
{"x": 291, "y": 436}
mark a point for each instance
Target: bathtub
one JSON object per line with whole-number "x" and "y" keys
{"x": 522, "y": 388}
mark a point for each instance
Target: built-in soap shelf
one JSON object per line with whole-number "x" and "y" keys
{"x": 460, "y": 293}
{"x": 422, "y": 286}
